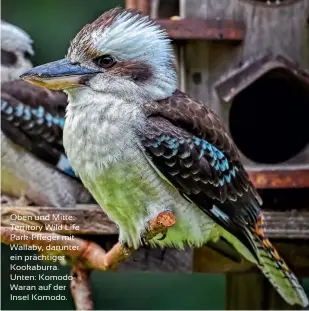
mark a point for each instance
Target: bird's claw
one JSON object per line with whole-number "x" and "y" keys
{"x": 145, "y": 238}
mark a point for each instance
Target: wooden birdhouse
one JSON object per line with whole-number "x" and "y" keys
{"x": 248, "y": 60}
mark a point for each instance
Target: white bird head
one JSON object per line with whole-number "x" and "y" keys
{"x": 120, "y": 52}
{"x": 16, "y": 50}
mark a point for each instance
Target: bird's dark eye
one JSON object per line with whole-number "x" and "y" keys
{"x": 8, "y": 58}
{"x": 105, "y": 61}
{"x": 27, "y": 55}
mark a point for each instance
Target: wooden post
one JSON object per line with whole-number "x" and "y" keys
{"x": 141, "y": 5}
{"x": 252, "y": 291}
{"x": 246, "y": 286}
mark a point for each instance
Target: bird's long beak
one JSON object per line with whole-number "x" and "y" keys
{"x": 58, "y": 75}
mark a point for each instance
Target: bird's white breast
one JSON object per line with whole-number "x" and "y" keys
{"x": 99, "y": 131}
{"x": 102, "y": 146}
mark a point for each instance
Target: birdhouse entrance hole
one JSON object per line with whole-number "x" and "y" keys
{"x": 269, "y": 120}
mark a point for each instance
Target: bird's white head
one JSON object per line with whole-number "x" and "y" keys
{"x": 121, "y": 52}
{"x": 16, "y": 50}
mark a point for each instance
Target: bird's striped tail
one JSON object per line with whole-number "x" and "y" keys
{"x": 276, "y": 270}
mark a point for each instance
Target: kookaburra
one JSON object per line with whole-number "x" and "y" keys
{"x": 143, "y": 147}
{"x": 33, "y": 163}
{"x": 16, "y": 51}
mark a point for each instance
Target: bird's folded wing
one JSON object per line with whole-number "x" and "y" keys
{"x": 186, "y": 142}
{"x": 33, "y": 118}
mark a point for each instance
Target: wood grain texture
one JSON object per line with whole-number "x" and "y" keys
{"x": 266, "y": 26}
{"x": 131, "y": 4}
{"x": 141, "y": 5}
{"x": 254, "y": 69}
{"x": 209, "y": 63}
{"x": 90, "y": 219}
{"x": 93, "y": 221}
{"x": 201, "y": 29}
{"x": 281, "y": 177}
{"x": 96, "y": 227}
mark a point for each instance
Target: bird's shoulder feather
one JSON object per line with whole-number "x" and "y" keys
{"x": 186, "y": 141}
{"x": 33, "y": 118}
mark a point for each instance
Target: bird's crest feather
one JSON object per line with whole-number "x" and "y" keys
{"x": 125, "y": 33}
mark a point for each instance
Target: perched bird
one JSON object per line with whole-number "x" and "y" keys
{"x": 143, "y": 147}
{"x": 34, "y": 165}
{"x": 16, "y": 51}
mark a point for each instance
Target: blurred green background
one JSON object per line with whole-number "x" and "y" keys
{"x": 52, "y": 24}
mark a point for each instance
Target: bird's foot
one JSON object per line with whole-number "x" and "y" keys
{"x": 164, "y": 234}
{"x": 145, "y": 239}
{"x": 121, "y": 251}
{"x": 158, "y": 225}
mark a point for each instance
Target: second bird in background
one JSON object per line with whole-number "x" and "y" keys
{"x": 34, "y": 166}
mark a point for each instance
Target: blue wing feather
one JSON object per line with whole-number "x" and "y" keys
{"x": 204, "y": 174}
{"x": 33, "y": 118}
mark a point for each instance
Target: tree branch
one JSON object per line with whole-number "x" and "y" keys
{"x": 83, "y": 252}
{"x": 86, "y": 255}
{"x": 292, "y": 224}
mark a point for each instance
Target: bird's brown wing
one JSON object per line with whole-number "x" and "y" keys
{"x": 188, "y": 144}
{"x": 33, "y": 118}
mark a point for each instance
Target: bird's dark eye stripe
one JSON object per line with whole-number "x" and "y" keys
{"x": 27, "y": 55}
{"x": 8, "y": 58}
{"x": 104, "y": 61}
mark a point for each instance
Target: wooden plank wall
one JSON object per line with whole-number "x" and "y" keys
{"x": 282, "y": 30}
{"x": 279, "y": 29}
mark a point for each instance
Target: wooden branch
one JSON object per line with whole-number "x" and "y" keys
{"x": 280, "y": 178}
{"x": 131, "y": 4}
{"x": 249, "y": 286}
{"x": 81, "y": 288}
{"x": 289, "y": 225}
{"x": 93, "y": 221}
{"x": 89, "y": 218}
{"x": 141, "y": 5}
{"x": 86, "y": 253}
{"x": 252, "y": 291}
